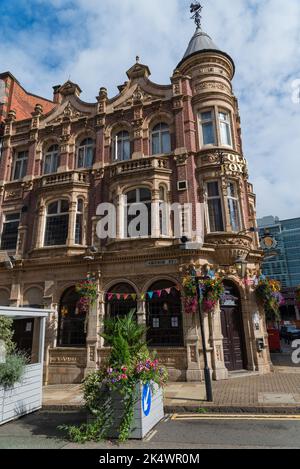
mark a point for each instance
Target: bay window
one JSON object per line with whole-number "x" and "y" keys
{"x": 208, "y": 128}
{"x": 225, "y": 129}
{"x": 233, "y": 207}
{"x": 57, "y": 222}
{"x": 79, "y": 223}
{"x": 214, "y": 206}
{"x": 138, "y": 208}
{"x": 9, "y": 236}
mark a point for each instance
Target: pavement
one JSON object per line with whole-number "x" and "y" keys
{"x": 242, "y": 392}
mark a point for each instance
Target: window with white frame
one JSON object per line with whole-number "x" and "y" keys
{"x": 57, "y": 223}
{"x": 10, "y": 228}
{"x": 20, "y": 166}
{"x": 161, "y": 139}
{"x": 79, "y": 222}
{"x": 225, "y": 129}
{"x": 85, "y": 155}
{"x": 207, "y": 122}
{"x": 121, "y": 146}
{"x": 133, "y": 201}
{"x": 233, "y": 207}
{"x": 214, "y": 207}
{"x": 51, "y": 160}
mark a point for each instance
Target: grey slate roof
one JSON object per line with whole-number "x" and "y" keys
{"x": 202, "y": 42}
{"x": 199, "y": 42}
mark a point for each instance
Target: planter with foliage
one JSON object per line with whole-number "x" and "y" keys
{"x": 212, "y": 292}
{"x": 124, "y": 398}
{"x": 268, "y": 294}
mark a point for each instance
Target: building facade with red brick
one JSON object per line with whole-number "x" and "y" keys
{"x": 177, "y": 143}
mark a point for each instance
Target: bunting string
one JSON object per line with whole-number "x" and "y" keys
{"x": 144, "y": 296}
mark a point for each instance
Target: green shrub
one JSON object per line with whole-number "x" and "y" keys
{"x": 6, "y": 334}
{"x": 12, "y": 370}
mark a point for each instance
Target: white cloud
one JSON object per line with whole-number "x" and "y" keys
{"x": 96, "y": 41}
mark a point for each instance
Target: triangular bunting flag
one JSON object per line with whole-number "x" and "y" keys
{"x": 143, "y": 295}
{"x": 118, "y": 296}
{"x": 126, "y": 295}
{"x": 110, "y": 296}
{"x": 168, "y": 290}
{"x": 150, "y": 294}
{"x": 159, "y": 292}
{"x": 134, "y": 296}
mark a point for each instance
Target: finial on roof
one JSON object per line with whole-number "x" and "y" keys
{"x": 196, "y": 9}
{"x": 137, "y": 59}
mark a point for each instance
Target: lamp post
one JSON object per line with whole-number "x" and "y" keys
{"x": 207, "y": 373}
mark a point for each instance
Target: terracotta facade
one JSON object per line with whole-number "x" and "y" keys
{"x": 200, "y": 90}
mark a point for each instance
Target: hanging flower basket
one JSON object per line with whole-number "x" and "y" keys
{"x": 88, "y": 293}
{"x": 268, "y": 294}
{"x": 212, "y": 292}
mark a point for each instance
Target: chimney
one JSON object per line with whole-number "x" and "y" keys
{"x": 57, "y": 97}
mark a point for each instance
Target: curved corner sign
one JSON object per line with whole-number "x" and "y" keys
{"x": 146, "y": 399}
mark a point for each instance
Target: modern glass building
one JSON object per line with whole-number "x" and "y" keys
{"x": 284, "y": 267}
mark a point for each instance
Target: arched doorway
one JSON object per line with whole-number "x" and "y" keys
{"x": 232, "y": 329}
{"x": 118, "y": 305}
{"x": 164, "y": 316}
{"x": 72, "y": 322}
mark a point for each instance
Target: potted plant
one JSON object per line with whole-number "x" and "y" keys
{"x": 124, "y": 398}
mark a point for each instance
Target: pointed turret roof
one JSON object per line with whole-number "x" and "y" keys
{"x": 200, "y": 43}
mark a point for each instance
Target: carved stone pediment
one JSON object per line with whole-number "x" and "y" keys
{"x": 138, "y": 95}
{"x": 66, "y": 113}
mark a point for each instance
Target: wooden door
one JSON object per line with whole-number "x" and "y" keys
{"x": 233, "y": 343}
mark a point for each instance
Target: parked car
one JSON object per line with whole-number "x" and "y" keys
{"x": 290, "y": 333}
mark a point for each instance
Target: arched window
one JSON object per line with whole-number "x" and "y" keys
{"x": 57, "y": 223}
{"x": 121, "y": 146}
{"x": 85, "y": 156}
{"x": 138, "y": 213}
{"x": 79, "y": 222}
{"x": 120, "y": 307}
{"x": 51, "y": 160}
{"x": 33, "y": 298}
{"x": 164, "y": 316}
{"x": 161, "y": 139}
{"x": 72, "y": 323}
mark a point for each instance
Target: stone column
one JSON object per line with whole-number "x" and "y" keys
{"x": 72, "y": 222}
{"x": 155, "y": 229}
{"x": 216, "y": 339}
{"x": 191, "y": 333}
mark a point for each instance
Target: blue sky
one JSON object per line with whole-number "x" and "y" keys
{"x": 44, "y": 42}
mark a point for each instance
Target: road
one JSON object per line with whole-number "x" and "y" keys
{"x": 176, "y": 432}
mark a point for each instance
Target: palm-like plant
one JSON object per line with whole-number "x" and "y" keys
{"x": 126, "y": 338}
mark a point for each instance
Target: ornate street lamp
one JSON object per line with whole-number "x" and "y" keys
{"x": 241, "y": 267}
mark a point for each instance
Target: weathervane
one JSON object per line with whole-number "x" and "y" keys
{"x": 196, "y": 8}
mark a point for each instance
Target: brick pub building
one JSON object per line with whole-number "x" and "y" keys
{"x": 179, "y": 142}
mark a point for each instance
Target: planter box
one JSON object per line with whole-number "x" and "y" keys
{"x": 25, "y": 397}
{"x": 148, "y": 412}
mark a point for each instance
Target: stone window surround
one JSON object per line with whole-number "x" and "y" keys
{"x": 224, "y": 204}
{"x": 73, "y": 206}
{"x": 216, "y": 109}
